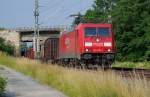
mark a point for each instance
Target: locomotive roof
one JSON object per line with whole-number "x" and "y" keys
{"x": 86, "y": 24}
{"x": 106, "y": 24}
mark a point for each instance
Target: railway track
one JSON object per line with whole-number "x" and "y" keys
{"x": 132, "y": 72}
{"x": 125, "y": 72}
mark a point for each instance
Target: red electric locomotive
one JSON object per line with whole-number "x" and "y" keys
{"x": 88, "y": 44}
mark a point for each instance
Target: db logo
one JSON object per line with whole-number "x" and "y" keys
{"x": 67, "y": 41}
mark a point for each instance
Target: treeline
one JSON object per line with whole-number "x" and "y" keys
{"x": 131, "y": 21}
{"x": 6, "y": 47}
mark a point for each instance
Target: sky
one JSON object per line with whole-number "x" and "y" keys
{"x": 19, "y": 13}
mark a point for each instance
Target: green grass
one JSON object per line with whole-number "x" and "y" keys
{"x": 145, "y": 65}
{"x": 79, "y": 83}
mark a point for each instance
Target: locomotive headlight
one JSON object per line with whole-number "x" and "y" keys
{"x": 109, "y": 50}
{"x": 88, "y": 43}
{"x": 86, "y": 50}
{"x": 97, "y": 40}
{"x": 107, "y": 44}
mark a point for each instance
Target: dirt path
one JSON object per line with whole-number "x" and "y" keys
{"x": 20, "y": 85}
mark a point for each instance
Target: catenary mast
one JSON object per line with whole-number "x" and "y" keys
{"x": 36, "y": 30}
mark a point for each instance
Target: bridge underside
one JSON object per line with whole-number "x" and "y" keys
{"x": 26, "y": 39}
{"x": 28, "y": 36}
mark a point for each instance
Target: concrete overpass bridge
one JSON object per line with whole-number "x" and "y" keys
{"x": 27, "y": 33}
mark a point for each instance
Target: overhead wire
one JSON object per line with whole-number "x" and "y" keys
{"x": 57, "y": 10}
{"x": 47, "y": 15}
{"x": 47, "y": 6}
{"x": 70, "y": 9}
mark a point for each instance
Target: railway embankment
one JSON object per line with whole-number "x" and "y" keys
{"x": 79, "y": 83}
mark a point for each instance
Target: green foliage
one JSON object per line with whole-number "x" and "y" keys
{"x": 131, "y": 21}
{"x": 2, "y": 86}
{"x": 147, "y": 54}
{"x": 6, "y": 47}
{"x": 132, "y": 29}
{"x": 101, "y": 11}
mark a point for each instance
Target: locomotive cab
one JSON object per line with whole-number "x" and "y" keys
{"x": 98, "y": 40}
{"x": 98, "y": 44}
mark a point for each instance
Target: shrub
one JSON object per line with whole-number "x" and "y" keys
{"x": 2, "y": 86}
{"x": 6, "y": 47}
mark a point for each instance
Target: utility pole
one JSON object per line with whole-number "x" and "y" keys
{"x": 36, "y": 30}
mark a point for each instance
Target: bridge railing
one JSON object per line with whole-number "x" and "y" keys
{"x": 45, "y": 28}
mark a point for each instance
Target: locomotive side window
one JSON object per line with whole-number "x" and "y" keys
{"x": 90, "y": 31}
{"x": 103, "y": 32}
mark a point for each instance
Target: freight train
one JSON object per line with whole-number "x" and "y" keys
{"x": 89, "y": 44}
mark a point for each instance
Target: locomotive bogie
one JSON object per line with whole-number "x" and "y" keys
{"x": 98, "y": 59}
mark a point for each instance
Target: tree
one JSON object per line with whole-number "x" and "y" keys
{"x": 101, "y": 11}
{"x": 131, "y": 21}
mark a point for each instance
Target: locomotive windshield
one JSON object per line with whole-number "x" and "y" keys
{"x": 93, "y": 31}
{"x": 90, "y": 31}
{"x": 104, "y": 32}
